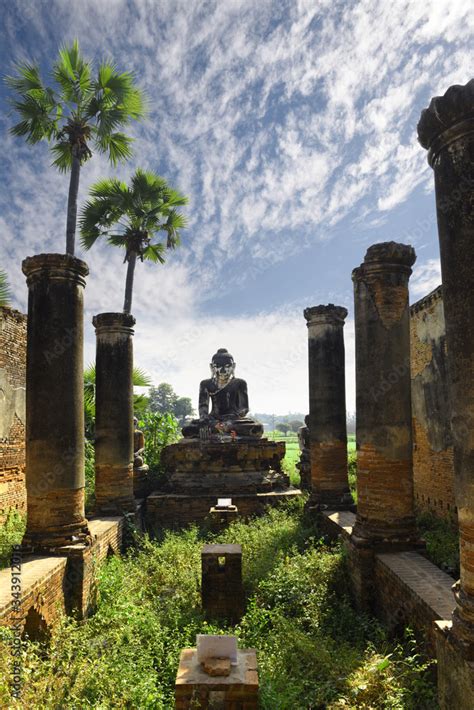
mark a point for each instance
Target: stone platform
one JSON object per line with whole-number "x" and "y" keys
{"x": 224, "y": 467}
{"x": 199, "y": 472}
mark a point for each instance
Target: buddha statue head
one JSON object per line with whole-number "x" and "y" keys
{"x": 222, "y": 367}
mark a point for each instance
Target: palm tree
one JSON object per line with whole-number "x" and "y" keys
{"x": 80, "y": 112}
{"x": 4, "y": 290}
{"x": 138, "y": 213}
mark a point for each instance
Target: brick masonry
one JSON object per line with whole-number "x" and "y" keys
{"x": 12, "y": 410}
{"x": 432, "y": 444}
{"x": 174, "y": 510}
{"x": 63, "y": 583}
{"x": 222, "y": 590}
{"x": 405, "y": 588}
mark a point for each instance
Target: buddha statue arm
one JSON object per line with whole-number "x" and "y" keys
{"x": 203, "y": 401}
{"x": 243, "y": 399}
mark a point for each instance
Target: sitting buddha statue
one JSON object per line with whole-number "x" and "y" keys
{"x": 229, "y": 401}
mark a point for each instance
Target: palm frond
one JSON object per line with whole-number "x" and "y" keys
{"x": 27, "y": 78}
{"x": 109, "y": 189}
{"x": 154, "y": 253}
{"x": 38, "y": 117}
{"x": 96, "y": 217}
{"x": 73, "y": 74}
{"x": 117, "y": 145}
{"x": 140, "y": 378}
{"x": 63, "y": 155}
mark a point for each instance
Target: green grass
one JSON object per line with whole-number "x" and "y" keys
{"x": 314, "y": 651}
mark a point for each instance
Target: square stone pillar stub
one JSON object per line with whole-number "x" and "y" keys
{"x": 195, "y": 689}
{"x": 221, "y": 518}
{"x": 222, "y": 589}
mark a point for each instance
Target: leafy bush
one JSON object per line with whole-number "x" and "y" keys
{"x": 314, "y": 650}
{"x": 11, "y": 533}
{"x": 159, "y": 430}
{"x": 90, "y": 474}
{"x": 352, "y": 473}
{"x": 442, "y": 542}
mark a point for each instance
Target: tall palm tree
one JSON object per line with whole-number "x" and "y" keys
{"x": 137, "y": 214}
{"x": 81, "y": 111}
{"x": 4, "y": 290}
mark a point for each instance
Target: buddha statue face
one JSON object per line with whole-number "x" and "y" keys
{"x": 222, "y": 367}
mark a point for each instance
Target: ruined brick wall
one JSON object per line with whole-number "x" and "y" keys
{"x": 12, "y": 410}
{"x": 51, "y": 586}
{"x": 432, "y": 443}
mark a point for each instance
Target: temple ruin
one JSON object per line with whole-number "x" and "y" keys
{"x": 415, "y": 448}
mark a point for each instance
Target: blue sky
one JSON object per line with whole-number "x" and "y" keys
{"x": 292, "y": 128}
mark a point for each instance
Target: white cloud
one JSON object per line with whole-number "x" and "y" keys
{"x": 426, "y": 277}
{"x": 279, "y": 120}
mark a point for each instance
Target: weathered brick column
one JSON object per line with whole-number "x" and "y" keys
{"x": 327, "y": 406}
{"x": 114, "y": 413}
{"x": 385, "y": 507}
{"x": 55, "y": 401}
{"x": 446, "y": 129}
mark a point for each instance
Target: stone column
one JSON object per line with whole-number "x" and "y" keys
{"x": 327, "y": 406}
{"x": 55, "y": 401}
{"x": 385, "y": 506}
{"x": 114, "y": 413}
{"x": 446, "y": 129}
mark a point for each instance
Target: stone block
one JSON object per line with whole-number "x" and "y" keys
{"x": 222, "y": 590}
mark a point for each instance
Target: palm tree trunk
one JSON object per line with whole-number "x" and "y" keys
{"x": 72, "y": 203}
{"x": 127, "y": 304}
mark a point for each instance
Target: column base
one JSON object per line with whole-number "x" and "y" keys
{"x": 402, "y": 535}
{"x": 114, "y": 489}
{"x": 331, "y": 500}
{"x": 455, "y": 669}
{"x": 49, "y": 541}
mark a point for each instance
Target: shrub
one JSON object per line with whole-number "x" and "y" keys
{"x": 159, "y": 431}
{"x": 11, "y": 533}
{"x": 314, "y": 650}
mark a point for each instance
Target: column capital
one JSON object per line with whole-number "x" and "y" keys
{"x": 57, "y": 267}
{"x": 447, "y": 118}
{"x": 113, "y": 323}
{"x": 386, "y": 257}
{"x": 325, "y": 315}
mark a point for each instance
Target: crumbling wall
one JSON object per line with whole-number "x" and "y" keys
{"x": 12, "y": 410}
{"x": 432, "y": 441}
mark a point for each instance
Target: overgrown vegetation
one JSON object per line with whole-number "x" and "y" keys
{"x": 159, "y": 431}
{"x": 352, "y": 473}
{"x": 314, "y": 651}
{"x": 442, "y": 542}
{"x": 11, "y": 532}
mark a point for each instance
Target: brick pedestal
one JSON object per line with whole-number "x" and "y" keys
{"x": 221, "y": 586}
{"x": 55, "y": 401}
{"x": 114, "y": 413}
{"x": 195, "y": 690}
